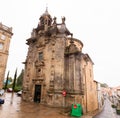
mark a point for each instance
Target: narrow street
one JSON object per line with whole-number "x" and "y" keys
{"x": 108, "y": 111}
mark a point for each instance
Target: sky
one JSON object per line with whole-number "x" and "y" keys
{"x": 95, "y": 22}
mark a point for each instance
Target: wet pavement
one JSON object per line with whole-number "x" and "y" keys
{"x": 108, "y": 111}
{"x": 14, "y": 107}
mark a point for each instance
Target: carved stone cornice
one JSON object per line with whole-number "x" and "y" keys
{"x": 40, "y": 79}
{"x": 39, "y": 63}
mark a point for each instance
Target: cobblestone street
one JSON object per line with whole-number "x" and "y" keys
{"x": 15, "y": 108}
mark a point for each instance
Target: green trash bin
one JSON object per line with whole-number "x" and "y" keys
{"x": 76, "y": 110}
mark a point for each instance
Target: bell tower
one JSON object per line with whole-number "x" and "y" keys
{"x": 5, "y": 36}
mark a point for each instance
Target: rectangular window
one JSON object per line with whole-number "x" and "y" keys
{"x": 40, "y": 55}
{"x": 3, "y": 37}
{"x": 1, "y": 46}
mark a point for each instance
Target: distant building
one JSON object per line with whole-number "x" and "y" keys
{"x": 5, "y": 37}
{"x": 57, "y": 72}
{"x": 118, "y": 91}
{"x": 101, "y": 95}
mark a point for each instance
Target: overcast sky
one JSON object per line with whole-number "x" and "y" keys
{"x": 95, "y": 22}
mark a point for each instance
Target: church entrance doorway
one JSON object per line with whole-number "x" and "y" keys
{"x": 37, "y": 93}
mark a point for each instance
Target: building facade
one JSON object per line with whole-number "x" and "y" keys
{"x": 57, "y": 72}
{"x": 5, "y": 37}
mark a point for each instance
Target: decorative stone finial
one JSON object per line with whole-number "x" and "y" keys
{"x": 63, "y": 20}
{"x": 46, "y": 11}
{"x": 54, "y": 20}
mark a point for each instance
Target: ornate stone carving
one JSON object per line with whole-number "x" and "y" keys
{"x": 39, "y": 63}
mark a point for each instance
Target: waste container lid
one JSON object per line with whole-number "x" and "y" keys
{"x": 77, "y": 104}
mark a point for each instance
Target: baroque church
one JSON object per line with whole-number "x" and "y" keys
{"x": 57, "y": 72}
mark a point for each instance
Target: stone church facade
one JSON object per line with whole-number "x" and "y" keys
{"x": 57, "y": 72}
{"x": 5, "y": 37}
